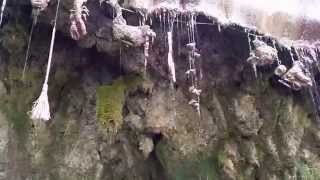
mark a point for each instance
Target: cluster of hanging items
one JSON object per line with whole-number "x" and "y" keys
{"x": 37, "y": 7}
{"x": 261, "y": 54}
{"x": 193, "y": 73}
{"x": 41, "y": 109}
{"x": 299, "y": 75}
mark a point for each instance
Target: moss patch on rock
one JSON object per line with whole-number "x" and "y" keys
{"x": 13, "y": 38}
{"x": 110, "y": 100}
{"x": 202, "y": 165}
{"x": 16, "y": 102}
{"x": 18, "y": 120}
{"x": 307, "y": 172}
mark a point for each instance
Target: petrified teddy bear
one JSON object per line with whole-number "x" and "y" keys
{"x": 295, "y": 77}
{"x": 263, "y": 54}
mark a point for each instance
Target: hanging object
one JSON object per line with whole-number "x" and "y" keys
{"x": 41, "y": 109}
{"x": 4, "y": 2}
{"x": 295, "y": 77}
{"x": 78, "y": 17}
{"x": 194, "y": 73}
{"x": 261, "y": 55}
{"x": 280, "y": 70}
{"x": 146, "y": 46}
{"x": 146, "y": 54}
{"x": 39, "y": 4}
{"x": 37, "y": 7}
{"x": 28, "y": 48}
{"x": 170, "y": 58}
{"x": 193, "y": 55}
{"x": 252, "y": 58}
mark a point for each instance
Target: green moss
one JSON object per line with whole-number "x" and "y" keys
{"x": 13, "y": 38}
{"x": 192, "y": 167}
{"x": 221, "y": 158}
{"x": 110, "y": 100}
{"x": 306, "y": 172}
{"x": 205, "y": 168}
{"x": 17, "y": 102}
{"x": 109, "y": 103}
{"x": 18, "y": 120}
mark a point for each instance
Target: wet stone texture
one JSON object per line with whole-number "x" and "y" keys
{"x": 249, "y": 127}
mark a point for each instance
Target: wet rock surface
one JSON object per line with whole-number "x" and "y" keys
{"x": 249, "y": 128}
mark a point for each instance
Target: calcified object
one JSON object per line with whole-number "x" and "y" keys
{"x": 191, "y": 46}
{"x": 295, "y": 77}
{"x": 78, "y": 16}
{"x": 280, "y": 70}
{"x": 134, "y": 36}
{"x": 170, "y": 58}
{"x": 192, "y": 74}
{"x": 263, "y": 54}
{"x": 195, "y": 91}
{"x": 41, "y": 109}
{"x": 146, "y": 146}
{"x": 189, "y": 4}
{"x": 4, "y": 2}
{"x": 40, "y": 4}
{"x": 146, "y": 53}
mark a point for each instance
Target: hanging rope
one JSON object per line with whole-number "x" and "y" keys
{"x": 40, "y": 109}
{"x": 4, "y": 2}
{"x": 34, "y": 22}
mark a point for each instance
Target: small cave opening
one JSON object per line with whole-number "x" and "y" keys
{"x": 157, "y": 138}
{"x": 158, "y": 171}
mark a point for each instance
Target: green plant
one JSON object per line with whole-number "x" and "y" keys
{"x": 110, "y": 100}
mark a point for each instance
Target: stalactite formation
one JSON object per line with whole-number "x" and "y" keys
{"x": 197, "y": 113}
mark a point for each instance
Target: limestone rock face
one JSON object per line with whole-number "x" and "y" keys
{"x": 248, "y": 128}
{"x": 247, "y": 117}
{"x": 4, "y": 146}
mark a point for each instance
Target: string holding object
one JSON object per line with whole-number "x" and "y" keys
{"x": 34, "y": 23}
{"x": 41, "y": 109}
